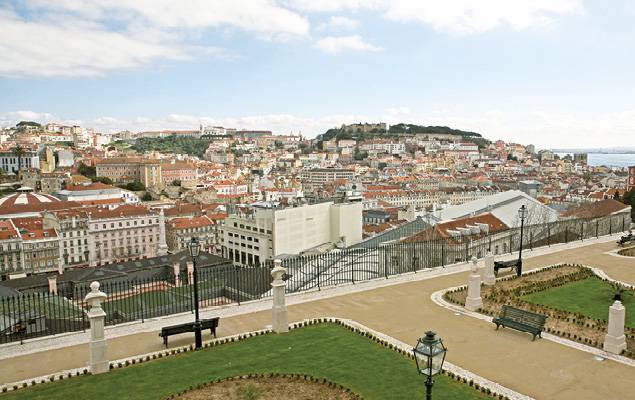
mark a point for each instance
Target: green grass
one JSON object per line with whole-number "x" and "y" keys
{"x": 42, "y": 305}
{"x": 323, "y": 351}
{"x": 590, "y": 297}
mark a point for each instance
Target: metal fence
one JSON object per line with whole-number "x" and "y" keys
{"x": 41, "y": 313}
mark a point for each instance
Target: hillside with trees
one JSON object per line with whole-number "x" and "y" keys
{"x": 399, "y": 130}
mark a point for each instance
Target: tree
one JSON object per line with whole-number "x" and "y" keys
{"x": 85, "y": 170}
{"x": 18, "y": 151}
{"x": 103, "y": 179}
{"x": 616, "y": 196}
{"x": 382, "y": 165}
{"x": 135, "y": 186}
{"x": 176, "y": 182}
{"x": 146, "y": 197}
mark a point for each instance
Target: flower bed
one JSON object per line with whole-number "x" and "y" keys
{"x": 629, "y": 252}
{"x": 517, "y": 292}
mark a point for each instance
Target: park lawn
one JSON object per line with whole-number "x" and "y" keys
{"x": 590, "y": 297}
{"x": 324, "y": 351}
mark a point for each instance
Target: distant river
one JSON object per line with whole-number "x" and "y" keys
{"x": 608, "y": 159}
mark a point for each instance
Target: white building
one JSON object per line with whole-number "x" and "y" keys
{"x": 9, "y": 161}
{"x": 268, "y": 232}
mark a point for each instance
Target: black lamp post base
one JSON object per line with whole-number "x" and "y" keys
{"x": 429, "y": 389}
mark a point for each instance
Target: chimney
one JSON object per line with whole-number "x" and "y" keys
{"x": 52, "y": 284}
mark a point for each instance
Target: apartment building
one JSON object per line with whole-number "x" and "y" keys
{"x": 74, "y": 235}
{"x": 9, "y": 162}
{"x": 179, "y": 232}
{"x": 10, "y": 250}
{"x": 130, "y": 169}
{"x": 630, "y": 184}
{"x": 261, "y": 233}
{"x": 122, "y": 233}
{"x": 316, "y": 177}
{"x": 178, "y": 171}
{"x": 40, "y": 251}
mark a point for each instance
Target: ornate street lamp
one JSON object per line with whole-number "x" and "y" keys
{"x": 522, "y": 214}
{"x": 194, "y": 248}
{"x": 429, "y": 356}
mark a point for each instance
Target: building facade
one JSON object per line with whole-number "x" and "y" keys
{"x": 251, "y": 238}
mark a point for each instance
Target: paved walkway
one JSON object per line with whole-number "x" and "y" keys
{"x": 541, "y": 369}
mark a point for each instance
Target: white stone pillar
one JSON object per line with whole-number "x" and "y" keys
{"x": 488, "y": 275}
{"x": 53, "y": 284}
{"x": 615, "y": 341}
{"x": 190, "y": 272}
{"x": 280, "y": 323}
{"x": 177, "y": 273}
{"x": 480, "y": 269}
{"x": 98, "y": 363}
{"x": 163, "y": 247}
{"x": 474, "y": 300}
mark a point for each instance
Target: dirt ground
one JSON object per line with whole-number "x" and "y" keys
{"x": 273, "y": 388}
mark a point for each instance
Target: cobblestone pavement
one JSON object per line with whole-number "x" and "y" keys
{"x": 541, "y": 369}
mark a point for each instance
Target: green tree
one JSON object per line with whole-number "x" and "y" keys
{"x": 102, "y": 179}
{"x": 87, "y": 171}
{"x": 146, "y": 197}
{"x": 176, "y": 182}
{"x": 19, "y": 152}
{"x": 382, "y": 165}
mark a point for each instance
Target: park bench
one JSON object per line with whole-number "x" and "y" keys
{"x": 521, "y": 320}
{"x": 626, "y": 239}
{"x": 167, "y": 331}
{"x": 512, "y": 264}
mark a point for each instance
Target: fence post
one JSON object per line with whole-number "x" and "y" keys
{"x": 531, "y": 240}
{"x": 597, "y": 228}
{"x": 582, "y": 230}
{"x": 443, "y": 254}
{"x": 511, "y": 250}
{"x": 549, "y": 235}
{"x": 566, "y": 234}
{"x": 610, "y": 226}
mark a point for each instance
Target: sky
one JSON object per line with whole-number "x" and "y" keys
{"x": 554, "y": 73}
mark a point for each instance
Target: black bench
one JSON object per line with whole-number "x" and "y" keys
{"x": 521, "y": 320}
{"x": 626, "y": 239}
{"x": 167, "y": 331}
{"x": 512, "y": 264}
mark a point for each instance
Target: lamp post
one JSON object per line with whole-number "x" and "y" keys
{"x": 429, "y": 356}
{"x": 195, "y": 248}
{"x": 522, "y": 214}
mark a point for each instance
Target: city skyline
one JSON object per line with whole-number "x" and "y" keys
{"x": 551, "y": 73}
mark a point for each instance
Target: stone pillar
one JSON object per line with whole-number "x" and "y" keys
{"x": 488, "y": 274}
{"x": 53, "y": 284}
{"x": 98, "y": 363}
{"x": 479, "y": 267}
{"x": 163, "y": 247}
{"x": 474, "y": 300}
{"x": 190, "y": 272}
{"x": 279, "y": 310}
{"x": 177, "y": 273}
{"x": 615, "y": 341}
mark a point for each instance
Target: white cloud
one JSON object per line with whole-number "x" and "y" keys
{"x": 72, "y": 38}
{"x": 456, "y": 16}
{"x": 338, "y": 22}
{"x": 472, "y": 17}
{"x": 338, "y": 44}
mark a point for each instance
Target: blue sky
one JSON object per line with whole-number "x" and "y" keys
{"x": 548, "y": 72}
